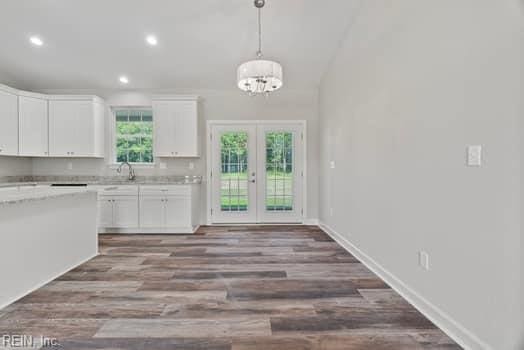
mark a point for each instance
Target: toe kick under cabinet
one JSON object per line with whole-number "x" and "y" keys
{"x": 148, "y": 209}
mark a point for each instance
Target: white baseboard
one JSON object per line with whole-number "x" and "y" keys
{"x": 149, "y": 231}
{"x": 314, "y": 222}
{"x": 460, "y": 334}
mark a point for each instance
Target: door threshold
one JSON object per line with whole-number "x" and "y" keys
{"x": 259, "y": 224}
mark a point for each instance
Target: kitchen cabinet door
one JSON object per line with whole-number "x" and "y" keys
{"x": 33, "y": 123}
{"x": 84, "y": 129}
{"x": 125, "y": 212}
{"x": 76, "y": 128}
{"x": 164, "y": 121}
{"x": 9, "y": 129}
{"x": 105, "y": 212}
{"x": 152, "y": 212}
{"x": 62, "y": 127}
{"x": 185, "y": 141}
{"x": 178, "y": 211}
{"x": 176, "y": 128}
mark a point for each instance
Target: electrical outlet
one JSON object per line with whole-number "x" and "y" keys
{"x": 423, "y": 260}
{"x": 332, "y": 164}
{"x": 191, "y": 166}
{"x": 163, "y": 165}
{"x": 475, "y": 155}
{"x": 69, "y": 165}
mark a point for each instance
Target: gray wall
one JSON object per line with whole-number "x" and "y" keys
{"x": 216, "y": 105}
{"x": 522, "y": 181}
{"x": 412, "y": 85}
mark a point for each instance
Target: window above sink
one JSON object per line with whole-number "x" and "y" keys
{"x": 133, "y": 136}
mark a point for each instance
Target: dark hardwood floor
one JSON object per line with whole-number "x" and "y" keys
{"x": 238, "y": 288}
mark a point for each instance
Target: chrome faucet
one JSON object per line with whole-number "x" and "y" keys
{"x": 131, "y": 175}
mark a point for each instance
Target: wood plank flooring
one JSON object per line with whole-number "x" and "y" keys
{"x": 225, "y": 288}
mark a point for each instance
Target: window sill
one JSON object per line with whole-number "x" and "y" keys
{"x": 135, "y": 166}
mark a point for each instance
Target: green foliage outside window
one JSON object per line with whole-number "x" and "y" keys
{"x": 134, "y": 136}
{"x": 279, "y": 171}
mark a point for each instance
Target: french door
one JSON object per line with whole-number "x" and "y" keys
{"x": 256, "y": 173}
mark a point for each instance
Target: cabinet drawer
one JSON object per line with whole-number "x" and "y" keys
{"x": 167, "y": 190}
{"x": 125, "y": 190}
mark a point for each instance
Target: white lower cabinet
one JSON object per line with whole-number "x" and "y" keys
{"x": 125, "y": 212}
{"x": 118, "y": 211}
{"x": 178, "y": 211}
{"x": 149, "y": 209}
{"x": 105, "y": 212}
{"x": 165, "y": 212}
{"x": 152, "y": 212}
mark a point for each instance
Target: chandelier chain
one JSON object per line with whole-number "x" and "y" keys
{"x": 259, "y": 52}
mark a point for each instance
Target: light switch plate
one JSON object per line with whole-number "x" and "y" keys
{"x": 475, "y": 155}
{"x": 423, "y": 260}
{"x": 69, "y": 165}
{"x": 163, "y": 165}
{"x": 332, "y": 164}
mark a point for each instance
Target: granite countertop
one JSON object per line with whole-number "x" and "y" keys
{"x": 33, "y": 193}
{"x": 102, "y": 180}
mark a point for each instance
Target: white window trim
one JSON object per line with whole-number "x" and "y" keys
{"x": 112, "y": 164}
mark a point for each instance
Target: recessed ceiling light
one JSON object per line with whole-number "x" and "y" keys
{"x": 123, "y": 79}
{"x": 151, "y": 40}
{"x": 36, "y": 41}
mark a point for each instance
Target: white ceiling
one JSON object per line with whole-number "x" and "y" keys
{"x": 90, "y": 43}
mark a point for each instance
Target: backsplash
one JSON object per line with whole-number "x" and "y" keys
{"x": 16, "y": 178}
{"x": 99, "y": 167}
{"x": 90, "y": 179}
{"x": 15, "y": 166}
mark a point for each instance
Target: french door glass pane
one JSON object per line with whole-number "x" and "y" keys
{"x": 279, "y": 171}
{"x": 234, "y": 176}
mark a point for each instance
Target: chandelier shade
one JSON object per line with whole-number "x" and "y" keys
{"x": 259, "y": 76}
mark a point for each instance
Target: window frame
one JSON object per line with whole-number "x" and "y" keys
{"x": 114, "y": 163}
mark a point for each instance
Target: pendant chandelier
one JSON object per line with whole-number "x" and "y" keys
{"x": 259, "y": 76}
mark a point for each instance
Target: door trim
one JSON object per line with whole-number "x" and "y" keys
{"x": 207, "y": 178}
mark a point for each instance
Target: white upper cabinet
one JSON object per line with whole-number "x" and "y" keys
{"x": 76, "y": 127}
{"x": 33, "y": 126}
{"x": 176, "y": 127}
{"x": 37, "y": 125}
{"x": 9, "y": 118}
